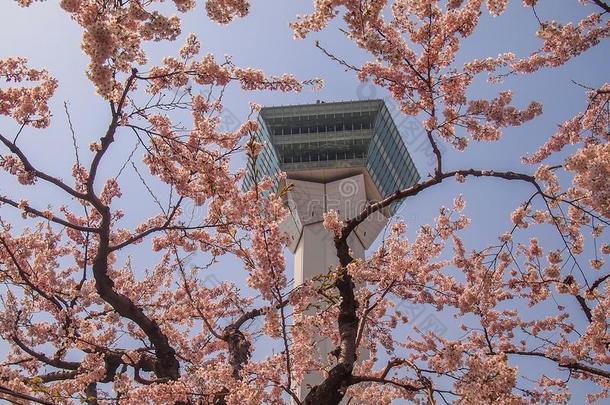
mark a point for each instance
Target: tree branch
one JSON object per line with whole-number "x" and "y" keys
{"x": 9, "y": 392}
{"x": 572, "y": 366}
{"x": 351, "y": 224}
{"x": 41, "y": 175}
{"x": 53, "y": 218}
{"x": 602, "y": 5}
{"x": 57, "y": 363}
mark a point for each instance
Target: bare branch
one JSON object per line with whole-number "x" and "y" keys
{"x": 52, "y": 218}
{"x": 15, "y": 394}
{"x": 41, "y": 175}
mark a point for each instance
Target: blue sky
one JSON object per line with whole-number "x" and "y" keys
{"x": 47, "y": 37}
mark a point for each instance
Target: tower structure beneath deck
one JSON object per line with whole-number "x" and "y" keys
{"x": 337, "y": 156}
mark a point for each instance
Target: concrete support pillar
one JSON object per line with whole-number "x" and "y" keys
{"x": 312, "y": 245}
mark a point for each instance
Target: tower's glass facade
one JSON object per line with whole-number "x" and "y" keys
{"x": 356, "y": 136}
{"x": 388, "y": 160}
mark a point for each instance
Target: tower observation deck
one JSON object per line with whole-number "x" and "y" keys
{"x": 337, "y": 155}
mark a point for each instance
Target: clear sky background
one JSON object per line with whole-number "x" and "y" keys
{"x": 48, "y": 38}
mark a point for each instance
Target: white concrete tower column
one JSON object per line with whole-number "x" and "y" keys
{"x": 312, "y": 245}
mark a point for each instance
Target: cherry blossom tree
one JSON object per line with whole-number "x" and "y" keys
{"x": 85, "y": 324}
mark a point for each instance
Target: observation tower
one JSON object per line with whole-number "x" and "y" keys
{"x": 336, "y": 155}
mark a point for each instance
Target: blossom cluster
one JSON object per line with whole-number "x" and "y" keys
{"x": 412, "y": 76}
{"x": 26, "y": 105}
